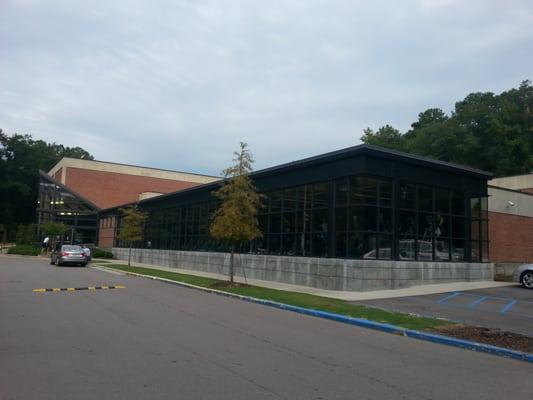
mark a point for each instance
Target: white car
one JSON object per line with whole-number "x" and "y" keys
{"x": 524, "y": 275}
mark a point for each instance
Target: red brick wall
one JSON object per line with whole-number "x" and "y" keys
{"x": 511, "y": 238}
{"x": 109, "y": 189}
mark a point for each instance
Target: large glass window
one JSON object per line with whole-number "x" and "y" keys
{"x": 56, "y": 203}
{"x": 295, "y": 222}
{"x": 479, "y": 235}
{"x": 431, "y": 223}
{"x": 363, "y": 217}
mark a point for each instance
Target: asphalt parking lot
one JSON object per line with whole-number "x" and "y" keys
{"x": 115, "y": 336}
{"x": 509, "y": 308}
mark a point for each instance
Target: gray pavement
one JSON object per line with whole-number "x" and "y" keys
{"x": 509, "y": 308}
{"x": 157, "y": 341}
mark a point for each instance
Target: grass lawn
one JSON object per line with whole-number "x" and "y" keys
{"x": 298, "y": 299}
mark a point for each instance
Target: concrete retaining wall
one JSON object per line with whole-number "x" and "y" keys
{"x": 323, "y": 273}
{"x": 505, "y": 271}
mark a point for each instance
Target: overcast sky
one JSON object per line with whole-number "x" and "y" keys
{"x": 177, "y": 84}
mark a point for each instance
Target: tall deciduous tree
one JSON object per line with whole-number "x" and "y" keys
{"x": 485, "y": 130}
{"x": 235, "y": 221}
{"x": 53, "y": 228}
{"x": 131, "y": 227}
{"x": 386, "y": 136}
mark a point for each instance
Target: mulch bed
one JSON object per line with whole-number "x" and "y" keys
{"x": 495, "y": 337}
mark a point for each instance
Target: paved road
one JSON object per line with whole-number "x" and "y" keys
{"x": 508, "y": 308}
{"x": 152, "y": 340}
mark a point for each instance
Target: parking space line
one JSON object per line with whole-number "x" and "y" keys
{"x": 451, "y": 296}
{"x": 476, "y": 302}
{"x": 508, "y": 306}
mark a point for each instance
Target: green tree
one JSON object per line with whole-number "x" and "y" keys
{"x": 26, "y": 234}
{"x": 131, "y": 227}
{"x": 489, "y": 131}
{"x": 235, "y": 221}
{"x": 386, "y": 136}
{"x": 54, "y": 229}
{"x": 437, "y": 136}
{"x": 21, "y": 157}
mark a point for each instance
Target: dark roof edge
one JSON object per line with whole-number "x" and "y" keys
{"x": 323, "y": 158}
{"x": 72, "y": 192}
{"x": 354, "y": 149}
{"x": 430, "y": 160}
{"x": 155, "y": 198}
{"x": 510, "y": 190}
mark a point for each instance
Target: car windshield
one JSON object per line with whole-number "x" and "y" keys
{"x": 71, "y": 248}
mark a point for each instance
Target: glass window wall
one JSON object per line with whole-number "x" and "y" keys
{"x": 353, "y": 217}
{"x": 363, "y": 217}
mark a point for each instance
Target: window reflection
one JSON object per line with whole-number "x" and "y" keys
{"x": 430, "y": 223}
{"x": 56, "y": 203}
{"x": 361, "y": 216}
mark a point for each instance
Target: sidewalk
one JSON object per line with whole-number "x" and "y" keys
{"x": 349, "y": 296}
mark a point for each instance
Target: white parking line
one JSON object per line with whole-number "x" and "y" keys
{"x": 108, "y": 270}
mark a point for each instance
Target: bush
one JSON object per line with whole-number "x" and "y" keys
{"x": 26, "y": 234}
{"x": 99, "y": 253}
{"x": 25, "y": 250}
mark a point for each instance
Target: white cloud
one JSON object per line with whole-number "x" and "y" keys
{"x": 178, "y": 84}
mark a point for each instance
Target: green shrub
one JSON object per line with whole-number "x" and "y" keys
{"x": 26, "y": 234}
{"x": 25, "y": 250}
{"x": 99, "y": 253}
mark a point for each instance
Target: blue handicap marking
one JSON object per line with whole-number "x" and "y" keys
{"x": 476, "y": 302}
{"x": 451, "y": 296}
{"x": 508, "y": 306}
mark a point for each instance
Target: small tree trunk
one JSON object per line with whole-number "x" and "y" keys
{"x": 129, "y": 256}
{"x": 231, "y": 263}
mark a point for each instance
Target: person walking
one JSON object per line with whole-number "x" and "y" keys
{"x": 87, "y": 252}
{"x": 45, "y": 244}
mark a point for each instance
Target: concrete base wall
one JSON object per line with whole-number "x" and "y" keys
{"x": 323, "y": 273}
{"x": 505, "y": 271}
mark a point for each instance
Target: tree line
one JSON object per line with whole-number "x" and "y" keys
{"x": 21, "y": 157}
{"x": 492, "y": 132}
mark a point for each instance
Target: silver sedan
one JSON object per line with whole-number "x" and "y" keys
{"x": 524, "y": 275}
{"x": 68, "y": 254}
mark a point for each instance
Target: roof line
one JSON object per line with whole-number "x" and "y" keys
{"x": 323, "y": 157}
{"x": 55, "y": 182}
{"x": 510, "y": 190}
{"x": 348, "y": 150}
{"x": 513, "y": 176}
{"x": 139, "y": 166}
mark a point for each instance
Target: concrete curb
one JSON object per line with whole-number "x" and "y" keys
{"x": 361, "y": 322}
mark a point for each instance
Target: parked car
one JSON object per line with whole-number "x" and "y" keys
{"x": 524, "y": 275}
{"x": 68, "y": 254}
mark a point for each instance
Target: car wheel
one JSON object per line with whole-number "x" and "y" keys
{"x": 84, "y": 264}
{"x": 527, "y": 279}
